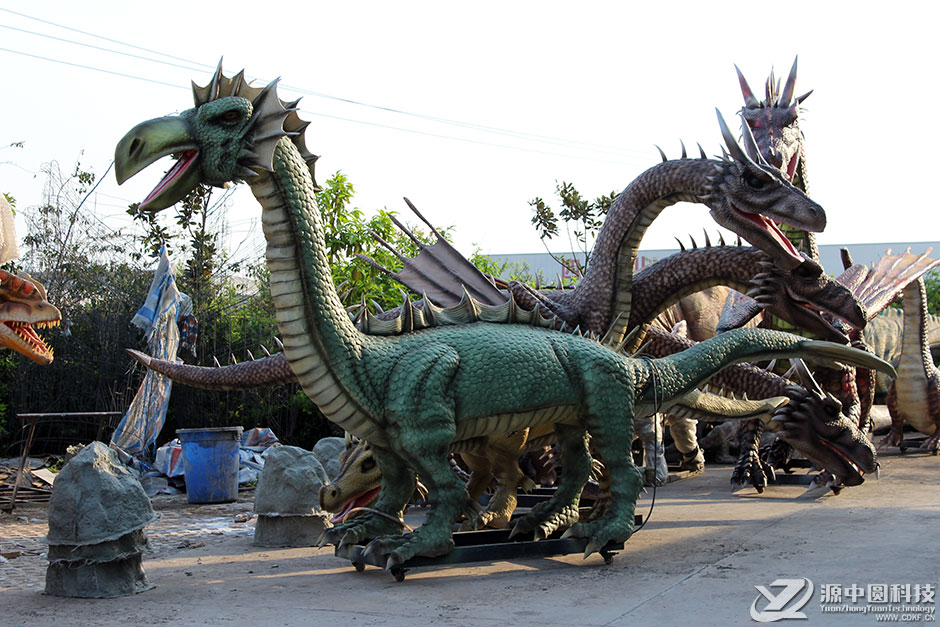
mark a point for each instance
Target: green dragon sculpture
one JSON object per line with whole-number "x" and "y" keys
{"x": 414, "y": 395}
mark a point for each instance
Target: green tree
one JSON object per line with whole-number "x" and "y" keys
{"x": 581, "y": 218}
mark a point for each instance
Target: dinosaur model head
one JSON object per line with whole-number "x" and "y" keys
{"x": 228, "y": 136}
{"x": 752, "y": 196}
{"x": 808, "y": 298}
{"x": 814, "y": 424}
{"x": 23, "y": 305}
{"x": 774, "y": 123}
{"x": 357, "y": 484}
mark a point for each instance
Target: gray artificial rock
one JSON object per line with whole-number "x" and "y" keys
{"x": 328, "y": 451}
{"x": 95, "y": 499}
{"x": 287, "y": 499}
{"x": 290, "y": 483}
{"x": 96, "y": 518}
{"x": 97, "y": 580}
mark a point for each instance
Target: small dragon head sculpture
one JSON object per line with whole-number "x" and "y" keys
{"x": 23, "y": 305}
{"x": 228, "y": 136}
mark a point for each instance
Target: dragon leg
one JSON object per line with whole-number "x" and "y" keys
{"x": 896, "y": 435}
{"x": 932, "y": 443}
{"x": 502, "y": 458}
{"x": 421, "y": 412}
{"x": 562, "y": 509}
{"x": 608, "y": 438}
{"x": 750, "y": 466}
{"x": 398, "y": 484}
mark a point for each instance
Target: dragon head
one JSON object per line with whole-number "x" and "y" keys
{"x": 813, "y": 423}
{"x": 23, "y": 304}
{"x": 807, "y": 298}
{"x": 228, "y": 136}
{"x": 774, "y": 124}
{"x": 750, "y": 197}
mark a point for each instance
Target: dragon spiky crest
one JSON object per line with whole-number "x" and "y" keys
{"x": 271, "y": 119}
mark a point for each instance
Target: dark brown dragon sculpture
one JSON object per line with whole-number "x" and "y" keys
{"x": 778, "y": 141}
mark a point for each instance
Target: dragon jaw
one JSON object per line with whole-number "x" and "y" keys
{"x": 23, "y": 304}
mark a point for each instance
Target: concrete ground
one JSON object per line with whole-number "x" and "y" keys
{"x": 697, "y": 562}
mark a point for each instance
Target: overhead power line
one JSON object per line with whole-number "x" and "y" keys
{"x": 586, "y": 146}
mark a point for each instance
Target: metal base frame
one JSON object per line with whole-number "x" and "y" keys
{"x": 482, "y": 546}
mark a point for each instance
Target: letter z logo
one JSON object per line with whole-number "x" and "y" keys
{"x": 781, "y": 606}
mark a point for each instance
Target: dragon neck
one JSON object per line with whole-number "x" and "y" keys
{"x": 321, "y": 344}
{"x": 606, "y": 287}
{"x": 915, "y": 326}
{"x": 681, "y": 372}
{"x": 803, "y": 241}
{"x": 664, "y": 283}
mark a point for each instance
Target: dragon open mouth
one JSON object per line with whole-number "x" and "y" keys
{"x": 26, "y": 337}
{"x": 184, "y": 162}
{"x": 768, "y": 226}
{"x": 852, "y": 466}
{"x": 358, "y": 501}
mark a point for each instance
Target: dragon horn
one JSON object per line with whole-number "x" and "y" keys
{"x": 684, "y": 154}
{"x": 737, "y": 153}
{"x": 661, "y": 153}
{"x": 749, "y": 144}
{"x": 749, "y": 100}
{"x": 800, "y": 99}
{"x": 787, "y": 94}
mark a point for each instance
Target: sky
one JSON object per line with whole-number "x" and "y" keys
{"x": 473, "y": 109}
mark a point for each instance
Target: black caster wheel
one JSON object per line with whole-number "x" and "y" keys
{"x": 608, "y": 557}
{"x": 359, "y": 566}
{"x": 399, "y": 574}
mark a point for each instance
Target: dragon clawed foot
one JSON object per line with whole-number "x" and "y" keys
{"x": 396, "y": 550}
{"x": 599, "y": 534}
{"x": 753, "y": 470}
{"x": 894, "y": 438}
{"x": 359, "y": 530}
{"x": 544, "y": 521}
{"x": 488, "y": 519}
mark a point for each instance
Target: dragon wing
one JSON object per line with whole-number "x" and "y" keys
{"x": 878, "y": 286}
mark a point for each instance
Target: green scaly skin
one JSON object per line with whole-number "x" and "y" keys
{"x": 414, "y": 395}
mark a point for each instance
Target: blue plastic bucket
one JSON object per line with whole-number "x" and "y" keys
{"x": 210, "y": 461}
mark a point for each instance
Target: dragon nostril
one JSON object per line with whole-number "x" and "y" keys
{"x": 136, "y": 146}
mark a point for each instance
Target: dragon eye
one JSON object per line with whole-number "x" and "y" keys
{"x": 229, "y": 116}
{"x": 752, "y": 180}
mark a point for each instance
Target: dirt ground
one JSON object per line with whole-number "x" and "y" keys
{"x": 696, "y": 562}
